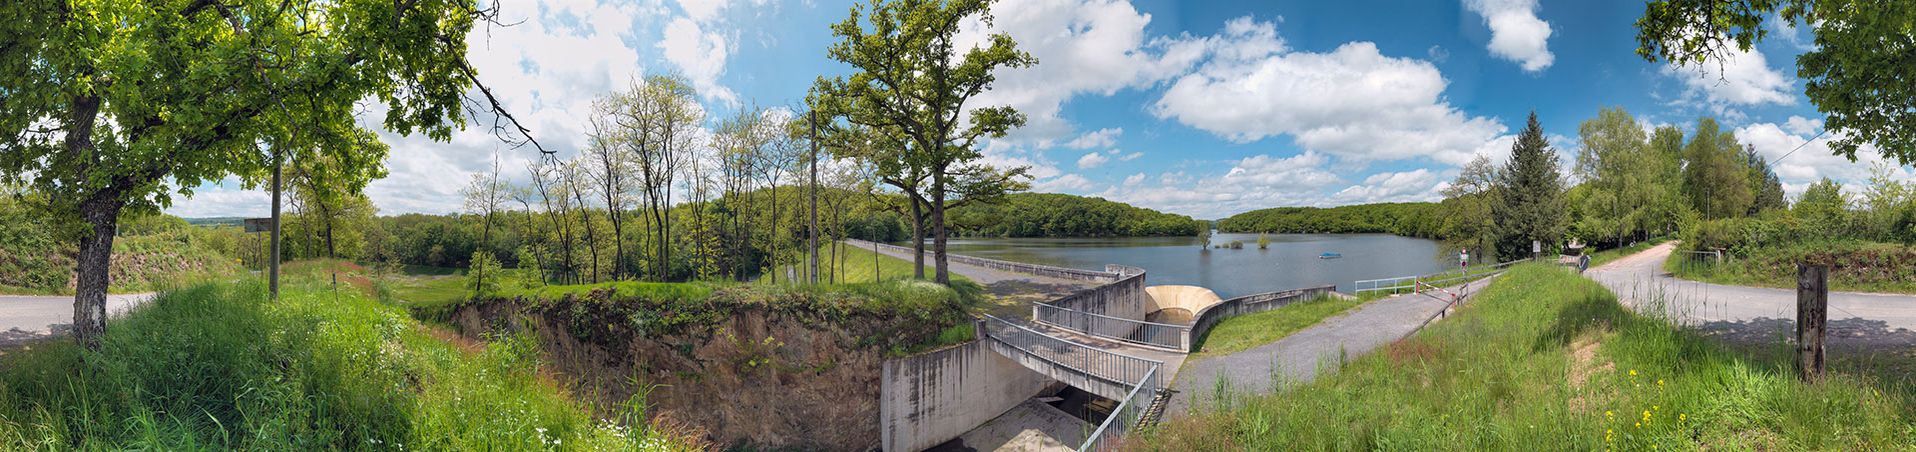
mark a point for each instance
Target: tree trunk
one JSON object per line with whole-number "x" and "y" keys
{"x": 938, "y": 232}
{"x": 917, "y": 237}
{"x": 96, "y": 250}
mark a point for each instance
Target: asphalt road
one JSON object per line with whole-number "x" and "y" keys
{"x": 1753, "y": 313}
{"x": 27, "y": 318}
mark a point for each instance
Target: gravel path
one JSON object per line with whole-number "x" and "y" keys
{"x": 1297, "y": 357}
{"x": 1754, "y": 314}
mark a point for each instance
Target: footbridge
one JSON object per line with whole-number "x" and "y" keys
{"x": 1097, "y": 339}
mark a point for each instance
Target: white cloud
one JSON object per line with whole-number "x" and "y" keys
{"x": 1421, "y": 184}
{"x": 1516, "y": 34}
{"x": 1803, "y": 126}
{"x": 1092, "y": 160}
{"x": 1813, "y": 161}
{"x": 1740, "y": 78}
{"x": 1123, "y": 157}
{"x": 1064, "y": 184}
{"x": 701, "y": 55}
{"x": 1254, "y": 182}
{"x": 702, "y": 10}
{"x": 1082, "y": 46}
{"x": 1353, "y": 102}
{"x": 546, "y": 70}
{"x": 1101, "y": 138}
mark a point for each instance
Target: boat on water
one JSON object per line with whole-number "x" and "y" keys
{"x": 1329, "y": 256}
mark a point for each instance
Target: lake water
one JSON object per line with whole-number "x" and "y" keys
{"x": 1291, "y": 262}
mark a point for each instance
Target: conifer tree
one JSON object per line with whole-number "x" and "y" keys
{"x": 1529, "y": 204}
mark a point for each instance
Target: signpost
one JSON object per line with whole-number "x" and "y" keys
{"x": 1812, "y": 318}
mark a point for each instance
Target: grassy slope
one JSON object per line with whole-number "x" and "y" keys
{"x": 857, "y": 265}
{"x": 1546, "y": 360}
{"x": 217, "y": 366}
{"x": 1239, "y": 333}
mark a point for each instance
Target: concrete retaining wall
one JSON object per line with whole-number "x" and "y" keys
{"x": 1014, "y": 267}
{"x": 1209, "y": 316}
{"x": 932, "y": 398}
{"x": 1125, "y": 299}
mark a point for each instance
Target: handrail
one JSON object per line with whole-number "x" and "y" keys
{"x": 1110, "y": 361}
{"x": 1143, "y": 333}
{"x": 1119, "y": 418}
{"x": 1010, "y": 266}
{"x": 1397, "y": 283}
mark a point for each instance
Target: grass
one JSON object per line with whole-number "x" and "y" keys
{"x": 1856, "y": 266}
{"x": 863, "y": 265}
{"x": 218, "y": 366}
{"x": 1543, "y": 359}
{"x": 1242, "y": 332}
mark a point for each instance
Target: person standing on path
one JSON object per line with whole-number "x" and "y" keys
{"x": 1463, "y": 258}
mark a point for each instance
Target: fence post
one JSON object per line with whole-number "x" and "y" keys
{"x": 1812, "y": 316}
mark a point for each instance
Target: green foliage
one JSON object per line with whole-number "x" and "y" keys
{"x": 1823, "y": 206}
{"x": 1855, "y": 265}
{"x": 1851, "y": 79}
{"x": 1714, "y": 174}
{"x": 1629, "y": 190}
{"x": 313, "y": 371}
{"x": 1416, "y": 219}
{"x": 483, "y": 277}
{"x": 1545, "y": 358}
{"x": 1529, "y": 202}
{"x": 1061, "y": 215}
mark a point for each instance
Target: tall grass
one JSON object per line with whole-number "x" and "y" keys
{"x": 218, "y": 366}
{"x": 1545, "y": 360}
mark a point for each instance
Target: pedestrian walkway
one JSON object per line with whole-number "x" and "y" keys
{"x": 1298, "y": 357}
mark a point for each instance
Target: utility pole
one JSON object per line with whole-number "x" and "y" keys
{"x": 273, "y": 264}
{"x": 813, "y": 115}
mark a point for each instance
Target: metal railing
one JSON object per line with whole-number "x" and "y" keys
{"x": 1125, "y": 417}
{"x": 1409, "y": 283}
{"x": 1148, "y": 334}
{"x": 1114, "y": 368}
{"x": 1003, "y": 265}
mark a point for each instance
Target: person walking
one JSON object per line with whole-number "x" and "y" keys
{"x": 1463, "y": 258}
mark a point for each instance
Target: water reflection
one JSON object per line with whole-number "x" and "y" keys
{"x": 1290, "y": 262}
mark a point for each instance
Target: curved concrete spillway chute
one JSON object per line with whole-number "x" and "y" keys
{"x": 1188, "y": 299}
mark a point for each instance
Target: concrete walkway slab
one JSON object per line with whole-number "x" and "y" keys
{"x": 1030, "y": 426}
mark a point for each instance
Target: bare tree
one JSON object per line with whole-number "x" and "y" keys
{"x": 609, "y": 170}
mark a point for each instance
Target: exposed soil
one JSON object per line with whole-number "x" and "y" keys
{"x": 761, "y": 377}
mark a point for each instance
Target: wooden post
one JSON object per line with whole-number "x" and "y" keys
{"x": 1812, "y": 318}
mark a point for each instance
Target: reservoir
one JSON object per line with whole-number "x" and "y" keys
{"x": 1292, "y": 261}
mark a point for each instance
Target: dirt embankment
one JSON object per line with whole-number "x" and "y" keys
{"x": 764, "y": 375}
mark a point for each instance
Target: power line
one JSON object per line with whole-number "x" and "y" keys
{"x": 1800, "y": 146}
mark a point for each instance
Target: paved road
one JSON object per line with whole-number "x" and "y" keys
{"x": 1297, "y": 357}
{"x": 1753, "y": 314}
{"x": 26, "y": 318}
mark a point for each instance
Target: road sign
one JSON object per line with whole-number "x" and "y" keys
{"x": 259, "y": 224}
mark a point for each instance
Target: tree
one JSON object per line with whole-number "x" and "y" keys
{"x": 912, "y": 79}
{"x": 484, "y": 195}
{"x": 1714, "y": 175}
{"x": 1467, "y": 201}
{"x": 1858, "y": 73}
{"x": 610, "y": 167}
{"x": 1617, "y": 175}
{"x": 1529, "y": 204}
{"x": 655, "y": 126}
{"x": 1824, "y": 207}
{"x": 1765, "y": 190}
{"x": 119, "y": 104}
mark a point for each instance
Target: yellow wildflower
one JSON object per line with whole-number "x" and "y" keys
{"x": 1633, "y": 372}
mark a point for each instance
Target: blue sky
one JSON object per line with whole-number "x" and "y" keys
{"x": 1202, "y": 108}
